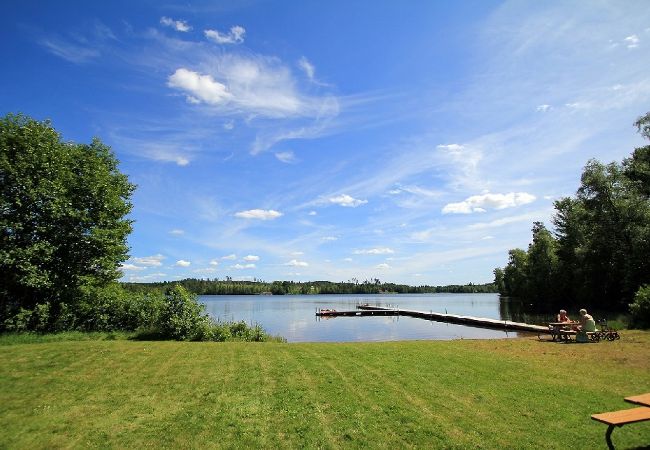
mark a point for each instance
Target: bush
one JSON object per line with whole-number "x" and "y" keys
{"x": 183, "y": 317}
{"x": 176, "y": 314}
{"x": 640, "y": 308}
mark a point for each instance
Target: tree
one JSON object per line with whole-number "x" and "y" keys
{"x": 499, "y": 283}
{"x": 514, "y": 274}
{"x": 63, "y": 210}
{"x": 542, "y": 265}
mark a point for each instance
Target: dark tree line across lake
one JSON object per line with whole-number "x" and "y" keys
{"x": 232, "y": 287}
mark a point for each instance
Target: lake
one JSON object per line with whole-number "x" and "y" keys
{"x": 293, "y": 316}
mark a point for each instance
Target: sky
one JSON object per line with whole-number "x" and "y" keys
{"x": 413, "y": 142}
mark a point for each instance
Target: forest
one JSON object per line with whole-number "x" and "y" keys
{"x": 598, "y": 251}
{"x": 375, "y": 286}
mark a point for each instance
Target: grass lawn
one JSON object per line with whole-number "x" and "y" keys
{"x": 517, "y": 393}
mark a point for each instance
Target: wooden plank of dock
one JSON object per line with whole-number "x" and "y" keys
{"x": 462, "y": 320}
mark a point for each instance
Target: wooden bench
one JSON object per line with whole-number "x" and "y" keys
{"x": 620, "y": 418}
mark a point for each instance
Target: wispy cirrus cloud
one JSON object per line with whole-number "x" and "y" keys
{"x": 81, "y": 46}
{"x": 72, "y": 52}
{"x": 307, "y": 67}
{"x": 286, "y": 157}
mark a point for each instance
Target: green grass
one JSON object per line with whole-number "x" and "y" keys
{"x": 518, "y": 393}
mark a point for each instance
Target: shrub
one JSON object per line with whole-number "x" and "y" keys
{"x": 183, "y": 317}
{"x": 640, "y": 308}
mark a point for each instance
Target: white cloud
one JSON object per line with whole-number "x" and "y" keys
{"x": 145, "y": 278}
{"x": 178, "y": 25}
{"x": 182, "y": 263}
{"x": 177, "y": 232}
{"x": 451, "y": 148}
{"x": 347, "y": 201}
{"x": 347, "y": 259}
{"x": 214, "y": 262}
{"x": 132, "y": 267}
{"x": 296, "y": 263}
{"x": 201, "y": 87}
{"x": 632, "y": 41}
{"x": 243, "y": 266}
{"x": 329, "y": 238}
{"x": 251, "y": 258}
{"x": 229, "y": 257}
{"x": 478, "y": 203}
{"x": 375, "y": 251}
{"x": 543, "y": 108}
{"x": 151, "y": 261}
{"x": 382, "y": 266}
{"x": 307, "y": 67}
{"x": 312, "y": 213}
{"x": 235, "y": 36}
{"x": 297, "y": 253}
{"x": 259, "y": 214}
{"x": 286, "y": 157}
{"x": 229, "y": 125}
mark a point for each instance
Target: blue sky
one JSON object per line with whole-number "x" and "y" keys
{"x": 411, "y": 142}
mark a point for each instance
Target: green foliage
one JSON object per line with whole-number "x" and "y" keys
{"x": 542, "y": 266}
{"x": 598, "y": 255}
{"x": 640, "y": 308}
{"x": 514, "y": 274}
{"x": 62, "y": 216}
{"x": 182, "y": 316}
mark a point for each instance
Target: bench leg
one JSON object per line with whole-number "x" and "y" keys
{"x": 608, "y": 437}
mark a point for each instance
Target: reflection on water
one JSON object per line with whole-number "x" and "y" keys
{"x": 293, "y": 316}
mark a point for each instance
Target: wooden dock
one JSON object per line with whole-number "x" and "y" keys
{"x": 482, "y": 322}
{"x": 356, "y": 312}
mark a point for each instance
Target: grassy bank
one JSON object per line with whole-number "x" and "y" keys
{"x": 517, "y": 393}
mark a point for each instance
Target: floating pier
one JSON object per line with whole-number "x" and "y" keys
{"x": 356, "y": 312}
{"x": 368, "y": 310}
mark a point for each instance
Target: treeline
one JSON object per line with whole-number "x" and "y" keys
{"x": 598, "y": 254}
{"x": 231, "y": 287}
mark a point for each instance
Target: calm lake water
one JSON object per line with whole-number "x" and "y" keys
{"x": 293, "y": 316}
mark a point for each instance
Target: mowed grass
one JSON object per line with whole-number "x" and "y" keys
{"x": 518, "y": 393}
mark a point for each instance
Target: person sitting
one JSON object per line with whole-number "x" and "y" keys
{"x": 562, "y": 317}
{"x": 587, "y": 323}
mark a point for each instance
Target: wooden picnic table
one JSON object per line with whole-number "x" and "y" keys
{"x": 558, "y": 331}
{"x": 643, "y": 399}
{"x": 625, "y": 416}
